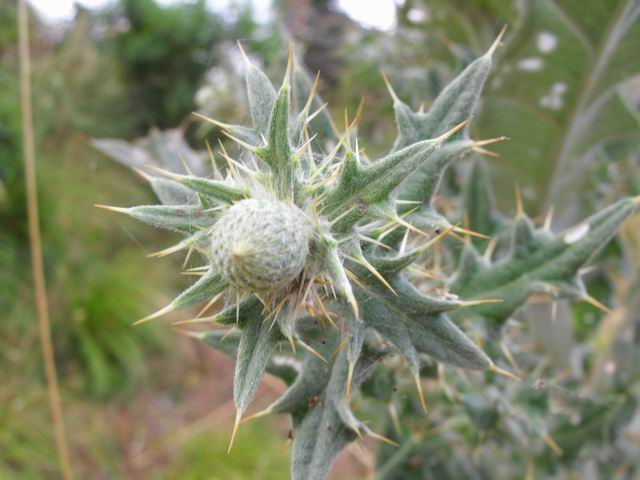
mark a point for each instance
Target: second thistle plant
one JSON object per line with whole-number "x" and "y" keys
{"x": 313, "y": 247}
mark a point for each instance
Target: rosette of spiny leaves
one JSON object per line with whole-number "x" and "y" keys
{"x": 557, "y": 417}
{"x": 304, "y": 239}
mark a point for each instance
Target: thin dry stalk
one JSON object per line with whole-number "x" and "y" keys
{"x": 36, "y": 242}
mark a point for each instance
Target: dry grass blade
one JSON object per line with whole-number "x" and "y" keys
{"x": 35, "y": 240}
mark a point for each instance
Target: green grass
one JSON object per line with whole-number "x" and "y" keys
{"x": 259, "y": 454}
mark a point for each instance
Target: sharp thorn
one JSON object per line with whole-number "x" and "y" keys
{"x": 112, "y": 209}
{"x": 351, "y": 367}
{"x": 354, "y": 304}
{"x": 298, "y": 153}
{"x": 354, "y": 278}
{"x": 340, "y": 346}
{"x": 484, "y": 301}
{"x": 317, "y": 112}
{"x": 471, "y": 233}
{"x": 496, "y": 42}
{"x": 242, "y": 143}
{"x": 347, "y": 133}
{"x": 392, "y": 93}
{"x": 374, "y": 241}
{"x": 548, "y": 219}
{"x": 423, "y": 402}
{"x": 214, "y": 165}
{"x": 143, "y": 174}
{"x": 187, "y": 257}
{"x": 597, "y": 304}
{"x": 408, "y": 225}
{"x": 509, "y": 356}
{"x": 505, "y": 373}
{"x": 488, "y": 253}
{"x": 167, "y": 251}
{"x": 236, "y": 425}
{"x": 243, "y": 54}
{"x": 261, "y": 413}
{"x": 155, "y": 315}
{"x": 191, "y": 334}
{"x": 312, "y": 94}
{"x": 210, "y": 304}
{"x": 211, "y": 120}
{"x": 452, "y": 131}
{"x": 311, "y": 350}
{"x": 286, "y": 82}
{"x": 395, "y": 421}
{"x": 382, "y": 438}
{"x": 485, "y": 152}
{"x": 199, "y": 269}
{"x": 357, "y": 431}
{"x": 186, "y": 166}
{"x": 164, "y": 172}
{"x": 363, "y": 261}
{"x": 490, "y": 141}
{"x": 436, "y": 239}
{"x": 519, "y": 205}
{"x": 195, "y": 320}
{"x": 292, "y": 343}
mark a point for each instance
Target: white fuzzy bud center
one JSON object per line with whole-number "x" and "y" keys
{"x": 260, "y": 245}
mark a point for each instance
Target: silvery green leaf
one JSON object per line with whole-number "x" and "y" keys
{"x": 261, "y": 95}
{"x": 207, "y": 287}
{"x": 540, "y": 262}
{"x": 214, "y": 189}
{"x": 479, "y": 202}
{"x": 257, "y": 342}
{"x": 285, "y": 367}
{"x": 453, "y": 105}
{"x": 314, "y": 375}
{"x": 424, "y": 181}
{"x": 181, "y": 218}
{"x": 328, "y": 425}
{"x": 172, "y": 193}
{"x": 277, "y": 154}
{"x": 413, "y": 323}
{"x": 366, "y": 188}
{"x": 239, "y": 314}
{"x": 165, "y": 149}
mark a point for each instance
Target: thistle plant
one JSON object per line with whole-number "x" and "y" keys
{"x": 319, "y": 254}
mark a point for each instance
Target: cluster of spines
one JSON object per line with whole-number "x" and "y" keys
{"x": 359, "y": 210}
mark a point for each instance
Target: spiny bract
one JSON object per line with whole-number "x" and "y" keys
{"x": 317, "y": 250}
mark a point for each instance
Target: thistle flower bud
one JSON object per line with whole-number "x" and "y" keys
{"x": 260, "y": 245}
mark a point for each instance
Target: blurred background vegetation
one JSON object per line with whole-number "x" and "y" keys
{"x": 147, "y": 403}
